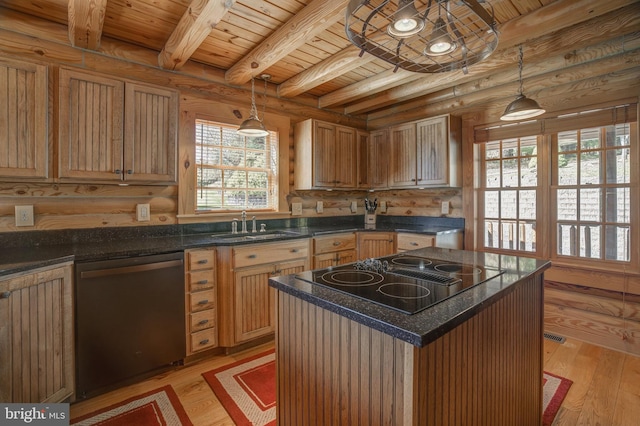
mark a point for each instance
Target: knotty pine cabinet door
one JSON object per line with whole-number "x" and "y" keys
{"x": 375, "y": 244}
{"x": 432, "y": 145}
{"x": 378, "y": 159}
{"x": 114, "y": 131}
{"x": 23, "y": 122}
{"x": 404, "y": 170}
{"x": 36, "y": 336}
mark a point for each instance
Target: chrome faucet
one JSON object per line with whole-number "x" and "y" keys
{"x": 234, "y": 226}
{"x": 244, "y": 222}
{"x": 253, "y": 225}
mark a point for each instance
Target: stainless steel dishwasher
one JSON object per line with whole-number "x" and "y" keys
{"x": 130, "y": 319}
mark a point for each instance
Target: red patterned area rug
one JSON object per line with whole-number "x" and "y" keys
{"x": 247, "y": 389}
{"x": 555, "y": 388}
{"x": 159, "y": 407}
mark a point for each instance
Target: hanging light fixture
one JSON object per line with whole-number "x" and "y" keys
{"x": 252, "y": 126}
{"x": 522, "y": 107}
{"x": 406, "y": 22}
{"x": 434, "y": 36}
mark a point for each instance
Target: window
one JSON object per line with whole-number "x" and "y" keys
{"x": 592, "y": 178}
{"x": 510, "y": 194}
{"x": 568, "y": 193}
{"x": 235, "y": 172}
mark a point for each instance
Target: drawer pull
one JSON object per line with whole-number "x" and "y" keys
{"x": 203, "y": 302}
{"x": 252, "y": 256}
{"x": 202, "y": 282}
{"x": 336, "y": 243}
{"x": 413, "y": 243}
{"x": 294, "y": 250}
{"x": 204, "y": 342}
{"x": 203, "y": 261}
{"x": 203, "y": 322}
{"x": 5, "y": 295}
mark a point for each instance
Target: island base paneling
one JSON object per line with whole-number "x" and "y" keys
{"x": 485, "y": 371}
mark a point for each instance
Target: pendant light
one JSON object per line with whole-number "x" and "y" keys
{"x": 252, "y": 126}
{"x": 440, "y": 42}
{"x": 406, "y": 22}
{"x": 522, "y": 107}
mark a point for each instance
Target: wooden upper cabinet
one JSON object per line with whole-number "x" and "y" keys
{"x": 426, "y": 153}
{"x": 325, "y": 155}
{"x": 363, "y": 159}
{"x": 23, "y": 121}
{"x": 378, "y": 159}
{"x": 114, "y": 131}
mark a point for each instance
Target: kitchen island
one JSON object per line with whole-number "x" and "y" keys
{"x": 472, "y": 358}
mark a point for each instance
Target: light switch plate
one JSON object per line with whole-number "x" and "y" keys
{"x": 383, "y": 206}
{"x": 319, "y": 207}
{"x": 143, "y": 212}
{"x": 24, "y": 215}
{"x": 445, "y": 207}
{"x": 354, "y": 206}
{"x": 296, "y": 209}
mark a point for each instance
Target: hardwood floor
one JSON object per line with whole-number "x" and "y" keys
{"x": 605, "y": 390}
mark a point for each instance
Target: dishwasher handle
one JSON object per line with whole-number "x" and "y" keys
{"x": 130, "y": 269}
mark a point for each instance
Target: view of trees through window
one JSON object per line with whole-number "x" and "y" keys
{"x": 235, "y": 172}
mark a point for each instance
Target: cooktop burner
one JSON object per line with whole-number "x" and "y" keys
{"x": 402, "y": 282}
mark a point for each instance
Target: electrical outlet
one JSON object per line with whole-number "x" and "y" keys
{"x": 383, "y": 206}
{"x": 354, "y": 206}
{"x": 296, "y": 209}
{"x": 24, "y": 215}
{"x": 319, "y": 207}
{"x": 445, "y": 207}
{"x": 143, "y": 212}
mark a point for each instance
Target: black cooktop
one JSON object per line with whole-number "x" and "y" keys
{"x": 403, "y": 282}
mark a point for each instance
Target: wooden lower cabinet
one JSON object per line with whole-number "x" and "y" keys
{"x": 334, "y": 250}
{"x": 406, "y": 241}
{"x": 247, "y": 304}
{"x": 201, "y": 300}
{"x": 36, "y": 336}
{"x": 375, "y": 244}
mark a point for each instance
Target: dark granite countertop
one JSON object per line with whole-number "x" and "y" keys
{"x": 114, "y": 243}
{"x": 423, "y": 327}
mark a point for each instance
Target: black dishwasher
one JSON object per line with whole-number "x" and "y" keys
{"x": 130, "y": 319}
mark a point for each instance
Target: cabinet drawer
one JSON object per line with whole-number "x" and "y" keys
{"x": 200, "y": 280}
{"x": 204, "y": 339}
{"x": 331, "y": 243}
{"x": 257, "y": 254}
{"x": 202, "y": 320}
{"x": 200, "y": 259}
{"x": 414, "y": 241}
{"x": 202, "y": 300}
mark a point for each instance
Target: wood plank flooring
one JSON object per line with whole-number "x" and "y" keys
{"x": 605, "y": 390}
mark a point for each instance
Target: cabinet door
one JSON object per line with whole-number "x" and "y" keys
{"x": 433, "y": 151}
{"x": 36, "y": 337}
{"x": 346, "y": 158}
{"x": 90, "y": 127}
{"x": 150, "y": 134}
{"x": 363, "y": 160}
{"x": 379, "y": 159}
{"x": 23, "y": 122}
{"x": 254, "y": 303}
{"x": 324, "y": 152}
{"x": 403, "y": 155}
{"x": 346, "y": 256}
{"x": 375, "y": 244}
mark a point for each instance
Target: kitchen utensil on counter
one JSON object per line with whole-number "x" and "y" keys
{"x": 370, "y": 213}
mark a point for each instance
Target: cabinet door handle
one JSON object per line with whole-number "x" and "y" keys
{"x": 204, "y": 342}
{"x": 202, "y": 282}
{"x": 118, "y": 171}
{"x": 203, "y": 302}
{"x": 5, "y": 295}
{"x": 129, "y": 172}
{"x": 203, "y": 322}
{"x": 203, "y": 261}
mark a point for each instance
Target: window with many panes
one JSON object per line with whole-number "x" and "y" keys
{"x": 510, "y": 193}
{"x": 592, "y": 178}
{"x": 235, "y": 172}
{"x": 575, "y": 179}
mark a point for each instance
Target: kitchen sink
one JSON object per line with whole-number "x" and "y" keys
{"x": 257, "y": 236}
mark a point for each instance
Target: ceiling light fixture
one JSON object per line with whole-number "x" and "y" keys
{"x": 434, "y": 36}
{"x": 522, "y": 107}
{"x": 253, "y": 126}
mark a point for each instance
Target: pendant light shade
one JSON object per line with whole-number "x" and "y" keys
{"x": 252, "y": 126}
{"x": 440, "y": 42}
{"x": 406, "y": 22}
{"x": 522, "y": 107}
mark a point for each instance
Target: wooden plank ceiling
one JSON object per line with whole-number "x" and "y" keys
{"x": 303, "y": 46}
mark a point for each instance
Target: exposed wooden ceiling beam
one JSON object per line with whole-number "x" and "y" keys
{"x": 309, "y": 22}
{"x": 613, "y": 24}
{"x": 555, "y": 16}
{"x": 85, "y": 21}
{"x": 194, "y": 26}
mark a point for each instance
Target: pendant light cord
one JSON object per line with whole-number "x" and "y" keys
{"x": 254, "y": 110}
{"x": 520, "y": 65}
